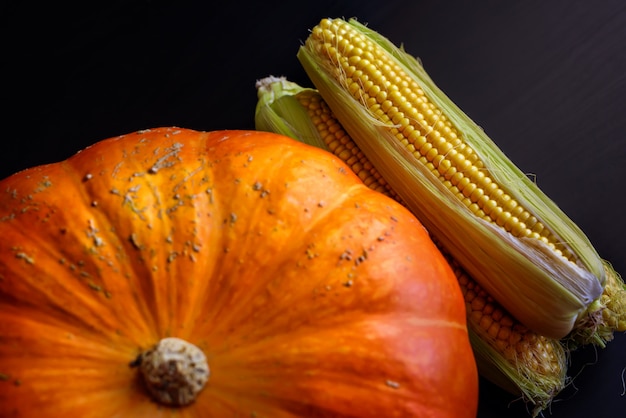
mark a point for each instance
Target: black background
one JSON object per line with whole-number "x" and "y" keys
{"x": 545, "y": 79}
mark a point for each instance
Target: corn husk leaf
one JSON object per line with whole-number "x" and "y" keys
{"x": 279, "y": 111}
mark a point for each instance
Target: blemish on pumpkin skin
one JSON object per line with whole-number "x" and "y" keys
{"x": 167, "y": 160}
{"x": 310, "y": 253}
{"x": 361, "y": 258}
{"x": 258, "y": 187}
{"x": 134, "y": 240}
{"x": 92, "y": 232}
{"x": 115, "y": 170}
{"x": 94, "y": 286}
{"x": 43, "y": 185}
{"x": 209, "y": 191}
{"x": 392, "y": 384}
{"x": 7, "y": 218}
{"x": 25, "y": 257}
{"x": 172, "y": 256}
{"x": 135, "y": 174}
{"x": 173, "y": 208}
{"x": 26, "y": 199}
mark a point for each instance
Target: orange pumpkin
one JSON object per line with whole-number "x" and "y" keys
{"x": 290, "y": 287}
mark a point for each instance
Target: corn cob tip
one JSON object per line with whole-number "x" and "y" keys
{"x": 605, "y": 316}
{"x": 273, "y": 84}
{"x": 279, "y": 110}
{"x": 614, "y": 298}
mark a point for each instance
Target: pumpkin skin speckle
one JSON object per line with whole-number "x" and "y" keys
{"x": 310, "y": 294}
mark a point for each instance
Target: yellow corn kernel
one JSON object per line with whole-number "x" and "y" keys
{"x": 494, "y": 220}
{"x": 508, "y": 353}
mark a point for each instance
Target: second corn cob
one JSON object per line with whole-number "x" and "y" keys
{"x": 507, "y": 353}
{"x": 495, "y": 221}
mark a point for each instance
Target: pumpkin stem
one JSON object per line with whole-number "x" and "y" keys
{"x": 174, "y": 371}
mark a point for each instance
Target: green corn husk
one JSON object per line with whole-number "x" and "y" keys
{"x": 279, "y": 111}
{"x": 547, "y": 293}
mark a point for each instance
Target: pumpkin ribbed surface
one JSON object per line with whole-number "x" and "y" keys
{"x": 309, "y": 294}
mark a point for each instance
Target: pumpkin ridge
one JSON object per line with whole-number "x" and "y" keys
{"x": 33, "y": 287}
{"x": 153, "y": 220}
{"x": 102, "y": 219}
{"x": 253, "y": 187}
{"x": 115, "y": 251}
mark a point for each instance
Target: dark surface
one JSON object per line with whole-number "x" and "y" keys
{"x": 546, "y": 80}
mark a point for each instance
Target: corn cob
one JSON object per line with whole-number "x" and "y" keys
{"x": 508, "y": 354}
{"x": 497, "y": 223}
